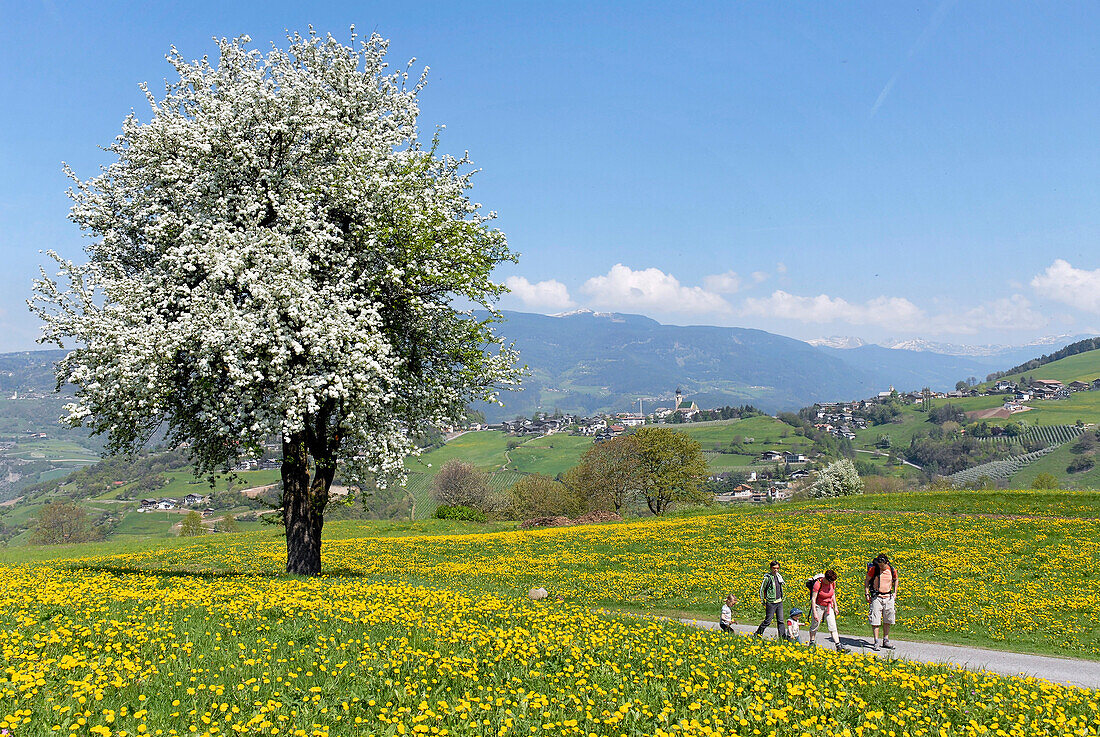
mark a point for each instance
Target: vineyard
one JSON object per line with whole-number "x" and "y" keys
{"x": 1053, "y": 436}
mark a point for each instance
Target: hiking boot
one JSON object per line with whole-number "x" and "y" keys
{"x": 888, "y": 645}
{"x": 874, "y": 645}
{"x": 841, "y": 648}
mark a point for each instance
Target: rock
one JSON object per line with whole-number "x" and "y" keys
{"x": 537, "y": 594}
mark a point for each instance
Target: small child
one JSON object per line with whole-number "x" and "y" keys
{"x": 726, "y": 620}
{"x": 793, "y": 623}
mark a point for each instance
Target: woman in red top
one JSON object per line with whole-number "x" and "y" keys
{"x": 823, "y": 605}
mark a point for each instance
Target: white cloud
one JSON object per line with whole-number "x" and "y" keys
{"x": 727, "y": 283}
{"x": 622, "y": 288}
{"x": 781, "y": 268}
{"x": 759, "y": 276}
{"x": 898, "y": 313}
{"x": 1008, "y": 313}
{"x": 550, "y": 294}
{"x": 884, "y": 311}
{"x": 1074, "y": 287}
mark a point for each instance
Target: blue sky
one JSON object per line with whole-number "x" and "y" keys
{"x": 872, "y": 169}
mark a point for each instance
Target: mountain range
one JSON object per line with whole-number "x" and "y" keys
{"x": 586, "y": 362}
{"x": 998, "y": 352}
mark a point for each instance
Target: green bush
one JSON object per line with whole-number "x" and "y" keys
{"x": 459, "y": 511}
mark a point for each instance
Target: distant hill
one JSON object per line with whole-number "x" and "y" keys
{"x": 28, "y": 370}
{"x": 587, "y": 362}
{"x": 912, "y": 370}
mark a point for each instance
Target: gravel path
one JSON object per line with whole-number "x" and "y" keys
{"x": 1084, "y": 673}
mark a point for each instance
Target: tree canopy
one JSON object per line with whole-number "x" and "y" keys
{"x": 839, "y": 478}
{"x": 276, "y": 255}
{"x": 671, "y": 468}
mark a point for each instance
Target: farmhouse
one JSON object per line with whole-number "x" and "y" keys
{"x": 740, "y": 493}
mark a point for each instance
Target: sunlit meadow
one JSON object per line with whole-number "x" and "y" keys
{"x": 435, "y": 635}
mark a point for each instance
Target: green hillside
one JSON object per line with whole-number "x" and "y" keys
{"x": 1081, "y": 367}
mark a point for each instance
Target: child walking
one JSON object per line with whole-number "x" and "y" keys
{"x": 794, "y": 623}
{"x": 726, "y": 620}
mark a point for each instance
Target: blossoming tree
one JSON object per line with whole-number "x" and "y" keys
{"x": 276, "y": 255}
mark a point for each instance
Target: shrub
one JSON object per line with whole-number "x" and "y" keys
{"x": 192, "y": 525}
{"x": 541, "y": 496}
{"x": 460, "y": 512}
{"x": 837, "y": 479}
{"x": 1079, "y": 465}
{"x": 61, "y": 523}
{"x": 1045, "y": 481}
{"x": 459, "y": 484}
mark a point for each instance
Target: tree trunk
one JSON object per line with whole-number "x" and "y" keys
{"x": 304, "y": 506}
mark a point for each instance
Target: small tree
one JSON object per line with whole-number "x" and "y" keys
{"x": 839, "y": 478}
{"x": 228, "y": 523}
{"x": 671, "y": 468}
{"x": 277, "y": 254}
{"x": 541, "y": 496}
{"x": 60, "y": 523}
{"x": 459, "y": 484}
{"x": 1045, "y": 481}
{"x": 192, "y": 525}
{"x": 606, "y": 476}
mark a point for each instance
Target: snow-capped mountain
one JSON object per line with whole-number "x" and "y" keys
{"x": 920, "y": 345}
{"x": 838, "y": 341}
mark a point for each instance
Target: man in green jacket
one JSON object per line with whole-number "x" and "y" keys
{"x": 771, "y": 596}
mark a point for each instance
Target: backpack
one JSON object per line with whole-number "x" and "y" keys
{"x": 813, "y": 580}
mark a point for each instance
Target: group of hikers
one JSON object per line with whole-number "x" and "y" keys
{"x": 880, "y": 589}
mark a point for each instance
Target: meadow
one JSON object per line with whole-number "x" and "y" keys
{"x": 414, "y": 630}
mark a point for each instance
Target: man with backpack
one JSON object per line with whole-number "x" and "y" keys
{"x": 881, "y": 590}
{"x": 771, "y": 596}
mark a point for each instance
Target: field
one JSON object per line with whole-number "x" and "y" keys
{"x": 412, "y": 631}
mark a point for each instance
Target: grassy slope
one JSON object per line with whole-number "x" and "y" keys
{"x": 1082, "y": 367}
{"x": 550, "y": 455}
{"x": 485, "y": 450}
{"x": 1055, "y": 463}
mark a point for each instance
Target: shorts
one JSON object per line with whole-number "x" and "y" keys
{"x": 882, "y": 611}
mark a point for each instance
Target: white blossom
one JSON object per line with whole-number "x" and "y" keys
{"x": 275, "y": 254}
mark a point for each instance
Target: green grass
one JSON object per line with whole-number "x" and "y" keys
{"x": 1055, "y": 463}
{"x": 1084, "y": 406}
{"x": 148, "y": 524}
{"x": 550, "y": 454}
{"x": 767, "y": 433}
{"x": 1082, "y": 367}
{"x": 1054, "y": 503}
{"x": 485, "y": 450}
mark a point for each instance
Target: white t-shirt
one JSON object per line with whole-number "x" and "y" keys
{"x": 727, "y": 614}
{"x": 792, "y": 628}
